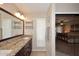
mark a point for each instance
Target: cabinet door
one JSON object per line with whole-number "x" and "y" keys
{"x": 21, "y": 52}
{"x": 26, "y": 50}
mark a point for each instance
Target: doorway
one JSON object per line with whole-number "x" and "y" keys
{"x": 67, "y": 34}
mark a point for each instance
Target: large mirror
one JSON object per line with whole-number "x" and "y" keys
{"x": 10, "y": 25}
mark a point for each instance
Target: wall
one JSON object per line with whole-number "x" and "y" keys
{"x": 51, "y": 30}
{"x": 67, "y": 8}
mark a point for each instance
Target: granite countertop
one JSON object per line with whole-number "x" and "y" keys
{"x": 12, "y": 46}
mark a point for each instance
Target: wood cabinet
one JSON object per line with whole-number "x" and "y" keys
{"x": 26, "y": 50}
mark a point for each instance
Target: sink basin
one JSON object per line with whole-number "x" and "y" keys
{"x": 5, "y": 52}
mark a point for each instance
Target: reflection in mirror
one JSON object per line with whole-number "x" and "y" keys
{"x": 9, "y": 25}
{"x": 17, "y": 27}
{"x": 0, "y": 28}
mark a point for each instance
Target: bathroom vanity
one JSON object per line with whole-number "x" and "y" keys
{"x": 26, "y": 50}
{"x": 19, "y": 46}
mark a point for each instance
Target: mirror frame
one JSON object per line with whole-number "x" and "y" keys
{"x": 15, "y": 17}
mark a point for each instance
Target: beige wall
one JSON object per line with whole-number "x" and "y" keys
{"x": 51, "y": 28}
{"x": 67, "y": 8}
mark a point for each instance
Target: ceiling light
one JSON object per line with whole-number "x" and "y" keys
{"x": 1, "y": 2}
{"x": 61, "y": 24}
{"x": 22, "y": 17}
{"x": 17, "y": 14}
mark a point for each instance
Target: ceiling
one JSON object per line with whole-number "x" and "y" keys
{"x": 33, "y": 9}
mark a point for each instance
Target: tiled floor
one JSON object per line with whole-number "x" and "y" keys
{"x": 39, "y": 53}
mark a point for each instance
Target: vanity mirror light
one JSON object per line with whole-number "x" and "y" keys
{"x": 10, "y": 25}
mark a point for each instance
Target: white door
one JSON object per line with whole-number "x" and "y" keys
{"x": 41, "y": 33}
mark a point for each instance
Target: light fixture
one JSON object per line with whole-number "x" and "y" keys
{"x": 21, "y": 16}
{"x": 1, "y": 2}
{"x": 17, "y": 14}
{"x": 61, "y": 23}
